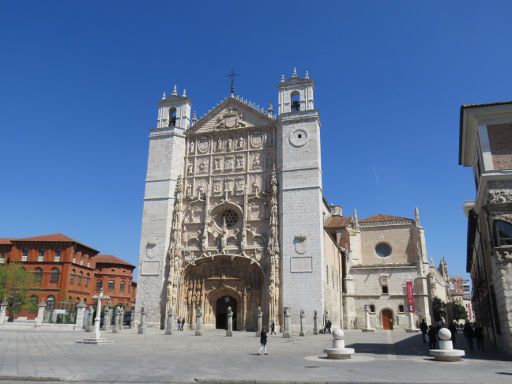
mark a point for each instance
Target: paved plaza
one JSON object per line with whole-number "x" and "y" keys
{"x": 381, "y": 357}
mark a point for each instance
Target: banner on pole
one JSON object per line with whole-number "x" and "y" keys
{"x": 411, "y": 307}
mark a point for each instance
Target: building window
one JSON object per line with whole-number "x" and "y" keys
{"x": 383, "y": 249}
{"x": 79, "y": 278}
{"x": 50, "y": 301}
{"x": 385, "y": 290}
{"x": 72, "y": 277}
{"x": 40, "y": 256}
{"x": 295, "y": 101}
{"x": 111, "y": 285}
{"x": 99, "y": 285}
{"x": 401, "y": 308}
{"x": 372, "y": 308}
{"x": 2, "y": 258}
{"x": 54, "y": 275}
{"x": 24, "y": 255}
{"x": 502, "y": 233}
{"x": 38, "y": 275}
{"x": 122, "y": 286}
{"x": 58, "y": 254}
{"x": 172, "y": 117}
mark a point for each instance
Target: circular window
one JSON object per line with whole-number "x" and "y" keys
{"x": 383, "y": 249}
{"x": 230, "y": 217}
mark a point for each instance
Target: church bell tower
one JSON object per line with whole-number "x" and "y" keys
{"x": 165, "y": 164}
{"x": 300, "y": 199}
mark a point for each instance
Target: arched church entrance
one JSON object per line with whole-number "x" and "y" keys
{"x": 221, "y": 312}
{"x": 214, "y": 283}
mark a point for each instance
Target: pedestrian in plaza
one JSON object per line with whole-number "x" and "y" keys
{"x": 424, "y": 330}
{"x": 479, "y": 336}
{"x": 432, "y": 337}
{"x": 263, "y": 342}
{"x": 272, "y": 328}
{"x": 453, "y": 329}
{"x": 328, "y": 326}
{"x": 178, "y": 323}
{"x": 182, "y": 323}
{"x": 469, "y": 334}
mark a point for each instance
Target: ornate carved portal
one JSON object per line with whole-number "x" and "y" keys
{"x": 208, "y": 282}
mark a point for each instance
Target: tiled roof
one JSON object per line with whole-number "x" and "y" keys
{"x": 5, "y": 241}
{"x": 381, "y": 217}
{"x": 337, "y": 221}
{"x": 111, "y": 259}
{"x": 54, "y": 237}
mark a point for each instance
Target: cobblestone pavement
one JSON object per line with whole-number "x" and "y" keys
{"x": 381, "y": 357}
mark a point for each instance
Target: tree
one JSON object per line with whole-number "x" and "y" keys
{"x": 439, "y": 309}
{"x": 15, "y": 283}
{"x": 459, "y": 312}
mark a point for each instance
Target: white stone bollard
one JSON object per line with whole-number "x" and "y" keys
{"x": 338, "y": 350}
{"x": 315, "y": 322}
{"x": 199, "y": 321}
{"x": 90, "y": 319}
{"x": 40, "y": 313}
{"x": 446, "y": 351}
{"x": 367, "y": 324}
{"x": 229, "y": 331}
{"x": 142, "y": 324}
{"x": 120, "y": 320}
{"x": 3, "y": 312}
{"x": 170, "y": 321}
{"x": 412, "y": 326}
{"x": 259, "y": 321}
{"x": 116, "y": 320}
{"x": 80, "y": 312}
{"x": 301, "y": 333}
{"x": 286, "y": 324}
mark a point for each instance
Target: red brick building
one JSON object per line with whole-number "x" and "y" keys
{"x": 66, "y": 270}
{"x": 115, "y": 277}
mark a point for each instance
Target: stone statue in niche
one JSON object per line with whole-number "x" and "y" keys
{"x": 240, "y": 142}
{"x": 217, "y": 163}
{"x": 190, "y": 168}
{"x": 229, "y": 145}
{"x": 189, "y": 191}
{"x": 191, "y": 147}
{"x": 202, "y": 165}
{"x": 228, "y": 164}
{"x": 218, "y": 145}
{"x": 240, "y": 162}
{"x": 256, "y": 162}
{"x": 217, "y": 186}
{"x": 239, "y": 185}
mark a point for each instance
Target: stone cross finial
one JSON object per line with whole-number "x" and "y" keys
{"x": 174, "y": 91}
{"x": 307, "y": 75}
{"x": 163, "y": 95}
{"x": 294, "y": 73}
{"x": 282, "y": 78}
{"x": 184, "y": 93}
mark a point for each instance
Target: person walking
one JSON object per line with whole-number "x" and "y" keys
{"x": 263, "y": 342}
{"x": 432, "y": 337}
{"x": 182, "y": 323}
{"x": 424, "y": 330}
{"x": 479, "y": 336}
{"x": 328, "y": 325}
{"x": 469, "y": 334}
{"x": 453, "y": 329}
{"x": 178, "y": 323}
{"x": 273, "y": 328}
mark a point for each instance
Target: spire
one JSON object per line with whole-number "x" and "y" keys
{"x": 417, "y": 216}
{"x": 163, "y": 96}
{"x": 306, "y": 76}
{"x": 174, "y": 91}
{"x": 355, "y": 221}
{"x": 184, "y": 93}
{"x": 282, "y": 78}
{"x": 294, "y": 73}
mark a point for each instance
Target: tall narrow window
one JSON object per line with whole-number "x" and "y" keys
{"x": 111, "y": 285}
{"x": 38, "y": 275}
{"x": 58, "y": 254}
{"x": 401, "y": 308}
{"x": 122, "y": 286}
{"x": 40, "y": 256}
{"x": 172, "y": 117}
{"x": 385, "y": 289}
{"x": 295, "y": 101}
{"x": 99, "y": 285}
{"x": 79, "y": 278}
{"x": 24, "y": 255}
{"x": 54, "y": 275}
{"x": 72, "y": 277}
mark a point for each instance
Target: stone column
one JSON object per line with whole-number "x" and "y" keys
{"x": 412, "y": 326}
{"x": 315, "y": 322}
{"x": 132, "y": 318}
{"x": 116, "y": 320}
{"x": 229, "y": 331}
{"x": 259, "y": 321}
{"x": 120, "y": 320}
{"x": 367, "y": 325}
{"x": 286, "y": 323}
{"x": 106, "y": 312}
{"x": 3, "y": 312}
{"x": 142, "y": 325}
{"x": 170, "y": 321}
{"x": 199, "y": 321}
{"x": 80, "y": 312}
{"x": 301, "y": 333}
{"x": 90, "y": 319}
{"x": 40, "y": 313}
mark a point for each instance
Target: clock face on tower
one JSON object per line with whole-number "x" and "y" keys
{"x": 298, "y": 137}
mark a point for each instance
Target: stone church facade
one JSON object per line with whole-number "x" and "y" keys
{"x": 234, "y": 215}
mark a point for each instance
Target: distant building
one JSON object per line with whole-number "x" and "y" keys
{"x": 486, "y": 146}
{"x": 66, "y": 270}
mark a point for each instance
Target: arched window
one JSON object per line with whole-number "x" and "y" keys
{"x": 502, "y": 233}
{"x": 98, "y": 285}
{"x": 50, "y": 302}
{"x": 72, "y": 276}
{"x": 295, "y": 100}
{"x": 111, "y": 285}
{"x": 172, "y": 117}
{"x": 54, "y": 275}
{"x": 122, "y": 285}
{"x": 38, "y": 275}
{"x": 87, "y": 278}
{"x": 79, "y": 278}
{"x": 401, "y": 308}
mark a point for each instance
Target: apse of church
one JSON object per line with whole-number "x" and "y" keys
{"x": 224, "y": 236}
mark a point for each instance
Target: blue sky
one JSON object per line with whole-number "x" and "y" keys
{"x": 80, "y": 82}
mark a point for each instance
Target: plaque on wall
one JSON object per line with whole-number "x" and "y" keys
{"x": 301, "y": 265}
{"x": 149, "y": 268}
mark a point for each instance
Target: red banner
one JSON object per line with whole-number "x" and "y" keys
{"x": 411, "y": 307}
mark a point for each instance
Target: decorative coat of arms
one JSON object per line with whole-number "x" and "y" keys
{"x": 230, "y": 119}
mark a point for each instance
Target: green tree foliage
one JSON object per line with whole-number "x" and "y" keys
{"x": 439, "y": 308}
{"x": 459, "y": 312}
{"x": 15, "y": 283}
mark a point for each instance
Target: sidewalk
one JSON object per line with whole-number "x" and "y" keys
{"x": 381, "y": 357}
